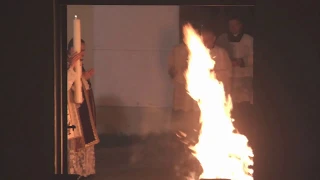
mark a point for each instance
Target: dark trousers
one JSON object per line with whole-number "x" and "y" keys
{"x": 244, "y": 115}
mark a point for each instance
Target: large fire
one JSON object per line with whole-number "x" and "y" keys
{"x": 222, "y": 152}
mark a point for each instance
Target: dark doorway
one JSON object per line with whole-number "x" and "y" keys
{"x": 215, "y": 17}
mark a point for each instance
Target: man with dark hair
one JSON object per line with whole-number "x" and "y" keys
{"x": 240, "y": 49}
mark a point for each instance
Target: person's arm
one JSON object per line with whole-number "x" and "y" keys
{"x": 221, "y": 41}
{"x": 248, "y": 60}
{"x": 227, "y": 63}
{"x": 227, "y": 70}
{"x": 71, "y": 74}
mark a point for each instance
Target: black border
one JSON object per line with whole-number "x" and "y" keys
{"x": 60, "y": 79}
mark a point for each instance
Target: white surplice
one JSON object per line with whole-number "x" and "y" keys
{"x": 241, "y": 76}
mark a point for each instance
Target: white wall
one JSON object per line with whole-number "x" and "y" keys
{"x": 130, "y": 46}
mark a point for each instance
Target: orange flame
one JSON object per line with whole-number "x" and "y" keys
{"x": 221, "y": 152}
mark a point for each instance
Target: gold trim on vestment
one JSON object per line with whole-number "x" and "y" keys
{"x": 90, "y": 108}
{"x": 73, "y": 111}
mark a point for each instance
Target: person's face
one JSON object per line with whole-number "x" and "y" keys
{"x": 208, "y": 39}
{"x": 235, "y": 26}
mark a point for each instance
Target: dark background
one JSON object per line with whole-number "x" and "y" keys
{"x": 286, "y": 89}
{"x": 216, "y": 17}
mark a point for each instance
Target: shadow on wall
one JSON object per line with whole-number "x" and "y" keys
{"x": 166, "y": 36}
{"x": 121, "y": 125}
{"x": 109, "y": 119}
{"x": 111, "y": 123}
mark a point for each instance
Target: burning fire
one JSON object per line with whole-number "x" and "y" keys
{"x": 222, "y": 152}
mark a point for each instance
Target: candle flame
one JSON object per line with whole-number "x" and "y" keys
{"x": 75, "y": 16}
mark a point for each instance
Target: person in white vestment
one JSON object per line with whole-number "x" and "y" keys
{"x": 223, "y": 65}
{"x": 185, "y": 115}
{"x": 185, "y": 110}
{"x": 239, "y": 46}
{"x": 81, "y": 160}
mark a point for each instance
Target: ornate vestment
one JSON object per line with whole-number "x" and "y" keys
{"x": 82, "y": 139}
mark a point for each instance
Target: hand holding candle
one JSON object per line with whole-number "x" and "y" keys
{"x": 88, "y": 74}
{"x": 78, "y": 98}
{"x": 72, "y": 59}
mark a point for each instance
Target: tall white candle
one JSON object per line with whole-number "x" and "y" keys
{"x": 78, "y": 98}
